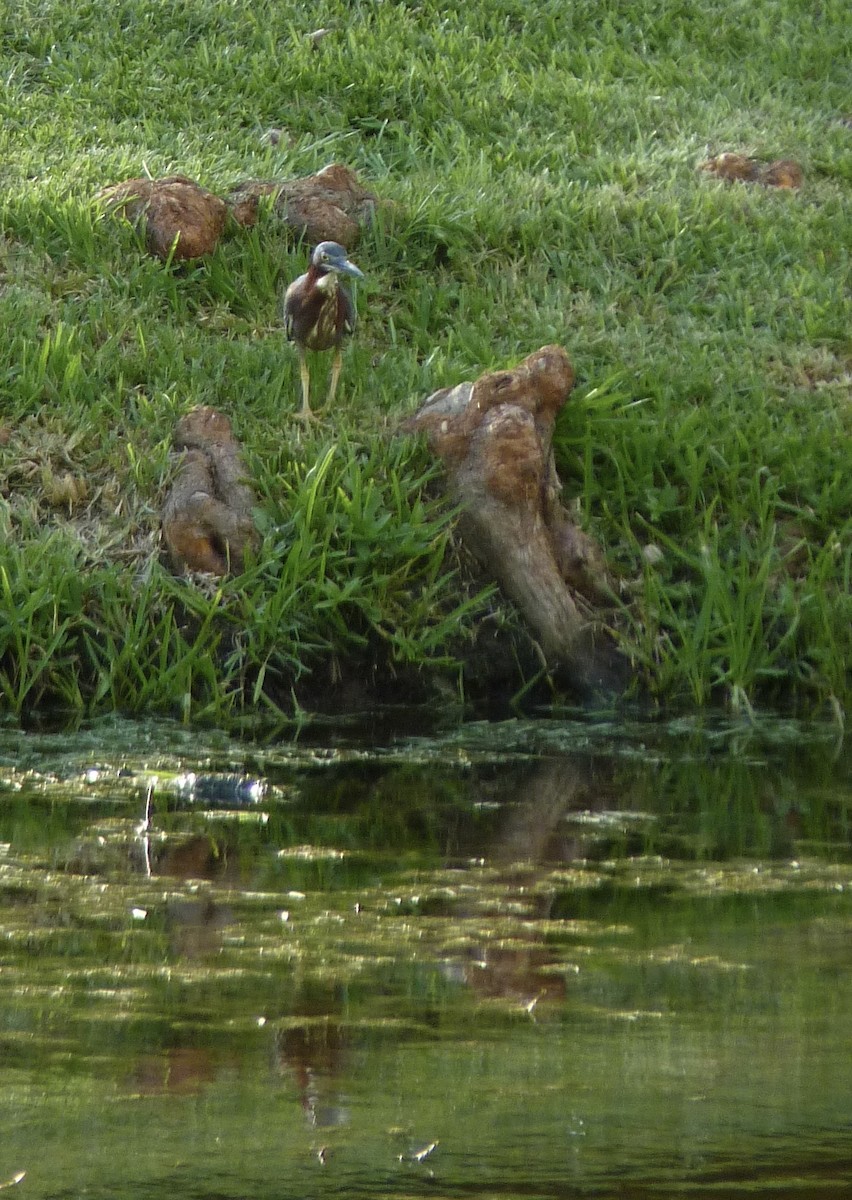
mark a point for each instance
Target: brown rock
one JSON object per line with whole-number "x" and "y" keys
{"x": 207, "y": 516}
{"x": 332, "y": 205}
{"x": 318, "y": 219}
{"x": 732, "y": 166}
{"x": 494, "y": 437}
{"x": 783, "y": 173}
{"x": 244, "y": 199}
{"x": 180, "y": 219}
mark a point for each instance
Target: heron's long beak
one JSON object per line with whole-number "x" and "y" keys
{"x": 344, "y": 267}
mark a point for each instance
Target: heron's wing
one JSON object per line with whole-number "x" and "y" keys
{"x": 290, "y": 297}
{"x": 348, "y": 310}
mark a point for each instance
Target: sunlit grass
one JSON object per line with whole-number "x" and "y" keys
{"x": 544, "y": 187}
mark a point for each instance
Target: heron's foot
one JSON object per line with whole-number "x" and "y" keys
{"x": 307, "y": 415}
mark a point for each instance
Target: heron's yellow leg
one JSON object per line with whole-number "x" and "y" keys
{"x": 336, "y": 365}
{"x": 305, "y": 413}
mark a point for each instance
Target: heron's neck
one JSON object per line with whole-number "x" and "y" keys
{"x": 325, "y": 281}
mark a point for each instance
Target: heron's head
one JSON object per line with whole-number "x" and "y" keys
{"x": 330, "y": 256}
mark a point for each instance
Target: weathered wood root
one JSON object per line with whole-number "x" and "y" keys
{"x": 495, "y": 439}
{"x": 207, "y": 516}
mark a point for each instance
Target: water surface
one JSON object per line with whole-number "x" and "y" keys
{"x": 549, "y": 958}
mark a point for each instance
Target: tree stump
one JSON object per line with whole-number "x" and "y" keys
{"x": 494, "y": 437}
{"x": 207, "y": 516}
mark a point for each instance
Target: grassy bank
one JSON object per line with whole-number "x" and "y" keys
{"x": 542, "y": 164}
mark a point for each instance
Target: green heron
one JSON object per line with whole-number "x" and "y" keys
{"x": 319, "y": 313}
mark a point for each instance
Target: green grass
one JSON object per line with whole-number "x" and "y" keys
{"x": 542, "y": 166}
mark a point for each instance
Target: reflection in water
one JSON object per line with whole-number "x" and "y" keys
{"x": 314, "y": 1054}
{"x": 210, "y": 857}
{"x": 532, "y": 834}
{"x": 516, "y": 975}
{"x": 195, "y": 926}
{"x": 534, "y": 830}
{"x": 614, "y": 970}
{"x": 176, "y": 1071}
